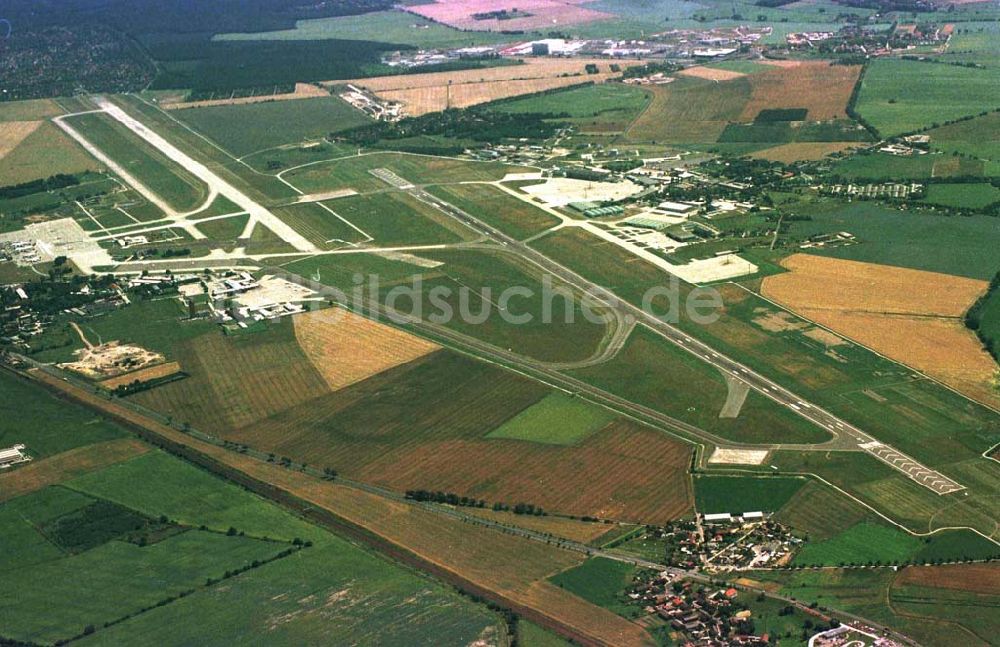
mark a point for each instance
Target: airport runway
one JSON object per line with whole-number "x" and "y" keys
{"x": 855, "y": 437}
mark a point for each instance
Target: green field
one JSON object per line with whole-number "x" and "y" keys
{"x": 353, "y": 172}
{"x": 962, "y": 245}
{"x": 602, "y": 582}
{"x": 963, "y": 196}
{"x": 900, "y": 96}
{"x": 737, "y": 494}
{"x": 656, "y": 373}
{"x": 863, "y": 543}
{"x": 191, "y": 497}
{"x": 387, "y": 26}
{"x": 978, "y": 138}
{"x": 883, "y": 166}
{"x": 224, "y": 230}
{"x": 176, "y": 186}
{"x": 243, "y": 129}
{"x": 44, "y": 153}
{"x": 154, "y": 324}
{"x": 557, "y": 419}
{"x": 531, "y": 635}
{"x": 604, "y": 107}
{"x": 335, "y": 594}
{"x": 45, "y": 424}
{"x": 397, "y": 218}
{"x": 499, "y": 209}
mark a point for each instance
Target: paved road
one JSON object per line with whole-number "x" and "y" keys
{"x": 841, "y": 430}
{"x": 215, "y": 183}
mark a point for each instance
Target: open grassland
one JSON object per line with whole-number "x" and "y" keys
{"x": 738, "y": 494}
{"x": 932, "y": 616}
{"x": 320, "y": 223}
{"x": 690, "y": 111}
{"x": 900, "y": 96}
{"x": 505, "y": 564}
{"x": 46, "y": 602}
{"x": 175, "y": 185}
{"x": 962, "y": 246}
{"x": 497, "y": 208}
{"x": 921, "y": 418}
{"x": 346, "y": 348}
{"x": 420, "y": 425}
{"x": 557, "y": 419}
{"x": 43, "y": 153}
{"x": 153, "y": 324}
{"x": 397, "y": 218}
{"x": 799, "y": 151}
{"x": 46, "y": 425}
{"x": 600, "y": 581}
{"x": 66, "y": 465}
{"x": 353, "y": 172}
{"x": 698, "y": 110}
{"x": 191, "y": 497}
{"x": 867, "y": 165}
{"x": 535, "y": 14}
{"x": 979, "y": 137}
{"x": 391, "y": 26}
{"x": 656, "y": 373}
{"x": 243, "y": 129}
{"x": 600, "y": 108}
{"x": 862, "y": 543}
{"x": 963, "y": 195}
{"x": 885, "y": 308}
{"x": 434, "y": 91}
{"x": 238, "y": 380}
{"x": 337, "y": 593}
{"x": 819, "y": 87}
{"x": 531, "y": 635}
{"x": 30, "y": 110}
{"x": 12, "y": 133}
{"x": 821, "y": 512}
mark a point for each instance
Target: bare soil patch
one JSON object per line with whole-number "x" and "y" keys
{"x": 346, "y": 348}
{"x": 143, "y": 375}
{"x": 110, "y": 359}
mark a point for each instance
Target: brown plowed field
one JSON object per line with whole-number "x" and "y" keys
{"x": 821, "y": 88}
{"x": 711, "y": 73}
{"x": 974, "y": 578}
{"x": 68, "y": 465}
{"x": 346, "y": 348}
{"x": 143, "y": 375}
{"x": 911, "y": 316}
{"x": 799, "y": 151}
{"x": 302, "y": 91}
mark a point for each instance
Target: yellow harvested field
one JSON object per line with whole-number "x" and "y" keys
{"x": 710, "y": 73}
{"x": 346, "y": 348}
{"x": 803, "y": 151}
{"x": 423, "y": 93}
{"x": 13, "y": 133}
{"x": 818, "y": 282}
{"x": 823, "y": 89}
{"x": 143, "y": 375}
{"x": 68, "y": 465}
{"x": 888, "y": 310}
{"x": 302, "y": 91}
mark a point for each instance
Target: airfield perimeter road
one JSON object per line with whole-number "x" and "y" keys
{"x": 859, "y": 440}
{"x": 149, "y": 421}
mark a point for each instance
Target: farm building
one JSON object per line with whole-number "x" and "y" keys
{"x": 13, "y": 456}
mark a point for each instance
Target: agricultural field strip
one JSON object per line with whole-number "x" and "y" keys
{"x": 216, "y": 184}
{"x": 931, "y": 479}
{"x": 54, "y": 379}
